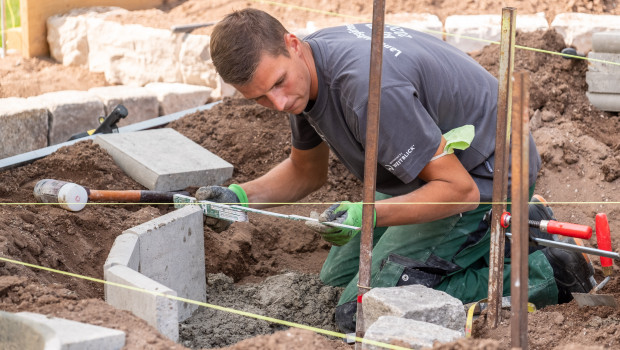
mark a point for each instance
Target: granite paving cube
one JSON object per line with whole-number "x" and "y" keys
{"x": 141, "y": 103}
{"x": 165, "y": 160}
{"x": 23, "y": 127}
{"x": 410, "y": 333}
{"x": 606, "y": 42}
{"x": 176, "y": 97}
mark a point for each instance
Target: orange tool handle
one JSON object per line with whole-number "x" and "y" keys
{"x": 568, "y": 229}
{"x": 603, "y": 239}
{"x": 107, "y": 195}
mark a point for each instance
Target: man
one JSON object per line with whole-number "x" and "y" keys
{"x": 434, "y": 100}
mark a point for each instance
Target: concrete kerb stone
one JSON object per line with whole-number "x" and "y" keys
{"x": 17, "y": 332}
{"x": 23, "y": 126}
{"x": 604, "y": 67}
{"x": 606, "y": 42}
{"x": 605, "y": 102}
{"x": 410, "y": 333}
{"x": 424, "y": 22}
{"x": 175, "y": 97}
{"x": 70, "y": 112}
{"x": 415, "y": 302}
{"x": 165, "y": 160}
{"x": 142, "y": 103}
{"x": 172, "y": 253}
{"x": 125, "y": 252}
{"x": 578, "y": 28}
{"x": 487, "y": 27}
{"x": 600, "y": 82}
{"x": 158, "y": 311}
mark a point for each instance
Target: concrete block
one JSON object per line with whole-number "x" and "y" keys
{"x": 472, "y": 33}
{"x": 414, "y": 302}
{"x": 172, "y": 253}
{"x": 157, "y": 310}
{"x": 578, "y": 28}
{"x": 133, "y": 54}
{"x": 70, "y": 112}
{"x": 141, "y": 103}
{"x": 605, "y": 102}
{"x": 603, "y": 82}
{"x": 78, "y": 335}
{"x": 409, "y": 333}
{"x": 18, "y": 332}
{"x": 165, "y": 160}
{"x": 23, "y": 126}
{"x": 66, "y": 33}
{"x": 606, "y": 42}
{"x": 594, "y": 65}
{"x": 195, "y": 60}
{"x": 424, "y": 22}
{"x": 176, "y": 97}
{"x": 125, "y": 251}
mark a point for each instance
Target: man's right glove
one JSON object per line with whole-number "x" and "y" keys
{"x": 344, "y": 212}
{"x": 234, "y": 194}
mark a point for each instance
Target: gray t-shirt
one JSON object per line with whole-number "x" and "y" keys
{"x": 428, "y": 89}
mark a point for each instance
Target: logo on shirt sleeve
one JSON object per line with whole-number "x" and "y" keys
{"x": 399, "y": 159}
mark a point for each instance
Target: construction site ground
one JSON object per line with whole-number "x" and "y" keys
{"x": 270, "y": 266}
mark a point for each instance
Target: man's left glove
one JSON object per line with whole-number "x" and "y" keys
{"x": 346, "y": 213}
{"x": 232, "y": 195}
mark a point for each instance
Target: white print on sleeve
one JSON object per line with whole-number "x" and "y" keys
{"x": 399, "y": 159}
{"x": 387, "y": 35}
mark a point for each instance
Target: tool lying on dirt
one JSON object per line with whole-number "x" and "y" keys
{"x": 107, "y": 125}
{"x": 186, "y": 28}
{"x": 239, "y": 213}
{"x": 73, "y": 197}
{"x": 553, "y": 227}
{"x": 603, "y": 239}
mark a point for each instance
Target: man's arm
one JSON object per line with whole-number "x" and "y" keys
{"x": 447, "y": 182}
{"x": 304, "y": 172}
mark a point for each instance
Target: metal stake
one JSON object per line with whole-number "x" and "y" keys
{"x": 370, "y": 161}
{"x": 520, "y": 196}
{"x": 500, "y": 172}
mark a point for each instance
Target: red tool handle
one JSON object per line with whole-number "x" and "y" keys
{"x": 603, "y": 239}
{"x": 568, "y": 229}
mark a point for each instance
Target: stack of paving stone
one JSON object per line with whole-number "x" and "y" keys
{"x": 603, "y": 78}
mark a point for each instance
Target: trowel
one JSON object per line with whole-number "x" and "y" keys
{"x": 603, "y": 239}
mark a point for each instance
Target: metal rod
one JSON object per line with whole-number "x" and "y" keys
{"x": 370, "y": 161}
{"x": 290, "y": 217}
{"x": 500, "y": 171}
{"x": 2, "y": 17}
{"x": 520, "y": 196}
{"x": 573, "y": 247}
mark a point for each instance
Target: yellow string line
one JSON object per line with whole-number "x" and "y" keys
{"x": 326, "y": 203}
{"x": 212, "y": 306}
{"x": 438, "y": 32}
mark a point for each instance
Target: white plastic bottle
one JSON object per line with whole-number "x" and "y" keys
{"x": 68, "y": 195}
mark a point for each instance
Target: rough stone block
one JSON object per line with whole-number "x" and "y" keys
{"x": 66, "y": 33}
{"x": 23, "y": 127}
{"x": 176, "y": 97}
{"x": 132, "y": 54}
{"x": 70, "y": 112}
{"x": 472, "y": 33}
{"x": 18, "y": 332}
{"x": 78, "y": 335}
{"x": 195, "y": 60}
{"x": 172, "y": 253}
{"x": 607, "y": 83}
{"x": 606, "y": 42}
{"x": 165, "y": 160}
{"x": 605, "y": 102}
{"x": 604, "y": 67}
{"x": 578, "y": 28}
{"x": 410, "y": 333}
{"x": 141, "y": 103}
{"x": 424, "y": 22}
{"x": 157, "y": 310}
{"x": 414, "y": 302}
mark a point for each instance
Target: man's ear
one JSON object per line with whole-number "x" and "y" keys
{"x": 292, "y": 42}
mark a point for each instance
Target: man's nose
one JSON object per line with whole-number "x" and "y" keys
{"x": 278, "y": 100}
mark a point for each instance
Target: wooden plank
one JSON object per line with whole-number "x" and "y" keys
{"x": 34, "y": 14}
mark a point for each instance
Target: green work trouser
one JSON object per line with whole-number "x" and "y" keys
{"x": 443, "y": 238}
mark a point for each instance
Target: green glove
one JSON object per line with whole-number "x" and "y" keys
{"x": 346, "y": 213}
{"x": 234, "y": 194}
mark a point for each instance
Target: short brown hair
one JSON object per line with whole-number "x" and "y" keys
{"x": 239, "y": 41}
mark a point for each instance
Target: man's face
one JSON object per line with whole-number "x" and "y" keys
{"x": 281, "y": 83}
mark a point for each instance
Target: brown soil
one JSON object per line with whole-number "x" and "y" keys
{"x": 577, "y": 142}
